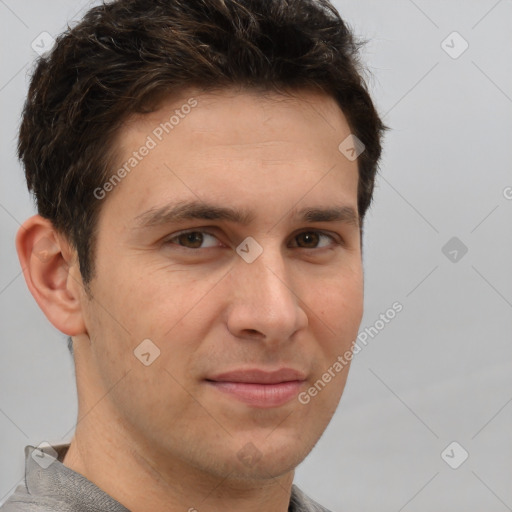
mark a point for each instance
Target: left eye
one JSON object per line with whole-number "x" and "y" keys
{"x": 195, "y": 239}
{"x": 313, "y": 237}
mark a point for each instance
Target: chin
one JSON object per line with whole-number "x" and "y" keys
{"x": 270, "y": 459}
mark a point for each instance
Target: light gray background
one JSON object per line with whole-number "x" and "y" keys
{"x": 441, "y": 371}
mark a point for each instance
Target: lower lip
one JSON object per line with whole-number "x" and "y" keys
{"x": 260, "y": 395}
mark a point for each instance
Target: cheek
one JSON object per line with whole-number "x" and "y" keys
{"x": 339, "y": 309}
{"x": 172, "y": 309}
{"x": 341, "y": 302}
{"x": 143, "y": 301}
{"x": 337, "y": 313}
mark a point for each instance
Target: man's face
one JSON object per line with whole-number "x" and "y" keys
{"x": 211, "y": 310}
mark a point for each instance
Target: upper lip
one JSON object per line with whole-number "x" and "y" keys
{"x": 258, "y": 376}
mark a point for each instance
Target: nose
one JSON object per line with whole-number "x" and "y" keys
{"x": 266, "y": 302}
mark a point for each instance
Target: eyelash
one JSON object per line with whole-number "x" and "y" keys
{"x": 169, "y": 241}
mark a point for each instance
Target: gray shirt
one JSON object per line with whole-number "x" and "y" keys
{"x": 50, "y": 486}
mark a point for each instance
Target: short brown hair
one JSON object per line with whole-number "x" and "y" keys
{"x": 125, "y": 54}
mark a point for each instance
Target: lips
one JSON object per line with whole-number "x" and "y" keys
{"x": 257, "y": 376}
{"x": 259, "y": 388}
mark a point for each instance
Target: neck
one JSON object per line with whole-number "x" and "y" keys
{"x": 141, "y": 483}
{"x": 146, "y": 478}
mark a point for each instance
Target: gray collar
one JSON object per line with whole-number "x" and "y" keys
{"x": 52, "y": 482}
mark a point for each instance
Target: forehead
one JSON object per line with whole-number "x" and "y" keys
{"x": 240, "y": 116}
{"x": 232, "y": 144}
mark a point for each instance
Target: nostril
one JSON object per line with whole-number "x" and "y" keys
{"x": 252, "y": 332}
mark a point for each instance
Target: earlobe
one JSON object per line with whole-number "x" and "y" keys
{"x": 52, "y": 274}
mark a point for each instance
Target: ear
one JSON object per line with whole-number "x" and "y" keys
{"x": 51, "y": 271}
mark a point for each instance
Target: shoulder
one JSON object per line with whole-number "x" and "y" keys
{"x": 301, "y": 502}
{"x": 22, "y": 501}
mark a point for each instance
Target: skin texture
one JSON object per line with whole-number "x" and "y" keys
{"x": 172, "y": 440}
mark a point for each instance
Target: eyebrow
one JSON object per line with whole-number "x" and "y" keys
{"x": 181, "y": 211}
